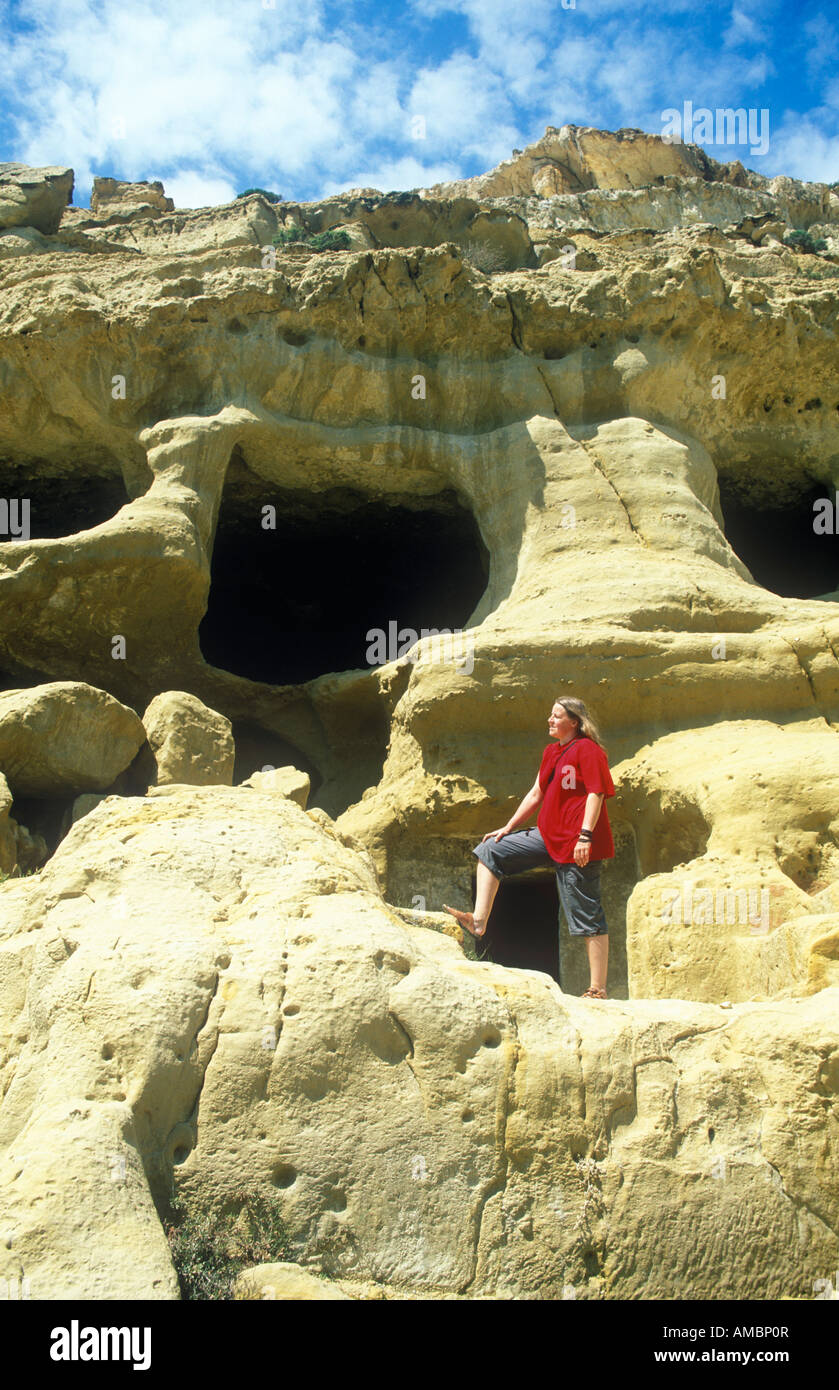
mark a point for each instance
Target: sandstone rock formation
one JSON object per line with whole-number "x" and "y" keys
{"x": 204, "y": 988}
{"x": 65, "y": 736}
{"x": 189, "y": 742}
{"x": 574, "y": 158}
{"x": 113, "y": 198}
{"x": 578, "y": 177}
{"x": 580, "y": 413}
{"x": 287, "y": 781}
{"x": 33, "y": 197}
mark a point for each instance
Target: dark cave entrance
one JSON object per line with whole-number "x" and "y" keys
{"x": 523, "y": 928}
{"x": 56, "y": 504}
{"x": 296, "y": 602}
{"x": 48, "y": 817}
{"x": 258, "y": 748}
{"x": 772, "y": 533}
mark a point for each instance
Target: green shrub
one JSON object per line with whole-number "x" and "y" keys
{"x": 803, "y": 241}
{"x": 210, "y": 1248}
{"x": 333, "y": 240}
{"x": 286, "y": 235}
{"x": 266, "y": 193}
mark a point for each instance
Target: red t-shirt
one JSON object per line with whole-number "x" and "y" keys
{"x": 566, "y": 777}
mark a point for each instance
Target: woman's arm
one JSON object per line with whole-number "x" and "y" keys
{"x": 530, "y": 803}
{"x": 591, "y": 815}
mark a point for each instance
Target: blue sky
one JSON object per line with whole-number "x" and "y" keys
{"x": 308, "y": 97}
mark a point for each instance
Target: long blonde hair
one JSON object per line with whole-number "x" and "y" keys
{"x": 585, "y": 724}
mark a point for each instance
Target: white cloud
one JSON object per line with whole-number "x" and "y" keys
{"x": 191, "y": 189}
{"x": 820, "y": 43}
{"x": 232, "y": 85}
{"x": 801, "y": 146}
{"x": 743, "y": 28}
{"x": 395, "y": 174}
{"x": 217, "y": 95}
{"x": 466, "y": 109}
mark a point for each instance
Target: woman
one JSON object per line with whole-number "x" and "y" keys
{"x": 572, "y": 835}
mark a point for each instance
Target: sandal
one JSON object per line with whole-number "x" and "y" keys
{"x": 592, "y": 993}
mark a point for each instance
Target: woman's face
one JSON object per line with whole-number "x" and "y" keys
{"x": 560, "y": 724}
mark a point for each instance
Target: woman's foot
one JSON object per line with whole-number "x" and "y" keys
{"x": 592, "y": 993}
{"x": 466, "y": 920}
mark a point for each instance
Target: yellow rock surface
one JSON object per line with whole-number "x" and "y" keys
{"x": 203, "y": 990}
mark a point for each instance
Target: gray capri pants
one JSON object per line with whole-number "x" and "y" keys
{"x": 579, "y": 888}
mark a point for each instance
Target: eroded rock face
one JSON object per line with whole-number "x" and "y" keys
{"x": 573, "y": 411}
{"x": 596, "y": 381}
{"x": 573, "y": 158}
{"x": 128, "y": 201}
{"x": 33, "y": 197}
{"x": 203, "y": 990}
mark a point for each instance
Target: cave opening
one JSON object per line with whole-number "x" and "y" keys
{"x": 772, "y": 532}
{"x": 38, "y": 503}
{"x": 523, "y": 929}
{"x": 299, "y": 579}
{"x": 258, "y": 749}
{"x": 47, "y": 817}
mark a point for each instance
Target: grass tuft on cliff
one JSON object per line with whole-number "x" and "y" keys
{"x": 333, "y": 240}
{"x": 210, "y": 1248}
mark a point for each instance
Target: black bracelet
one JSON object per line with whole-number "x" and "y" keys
{"x": 586, "y": 834}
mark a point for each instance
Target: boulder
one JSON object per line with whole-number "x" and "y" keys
{"x": 286, "y": 781}
{"x": 65, "y": 737}
{"x": 115, "y": 198}
{"x": 738, "y": 895}
{"x": 190, "y": 743}
{"x": 34, "y": 197}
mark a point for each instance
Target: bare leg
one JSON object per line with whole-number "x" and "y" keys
{"x": 486, "y": 888}
{"x": 597, "y": 948}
